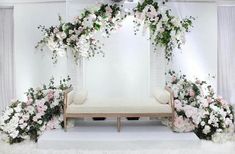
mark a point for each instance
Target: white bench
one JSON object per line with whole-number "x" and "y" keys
{"x": 117, "y": 108}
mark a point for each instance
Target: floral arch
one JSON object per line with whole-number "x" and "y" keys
{"x": 166, "y": 30}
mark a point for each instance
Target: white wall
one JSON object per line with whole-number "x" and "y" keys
{"x": 198, "y": 56}
{"x": 32, "y": 66}
{"x": 125, "y": 69}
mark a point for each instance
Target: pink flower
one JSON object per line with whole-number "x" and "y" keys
{"x": 183, "y": 125}
{"x": 178, "y": 104}
{"x": 50, "y": 95}
{"x": 198, "y": 81}
{"x": 52, "y": 124}
{"x": 108, "y": 9}
{"x": 174, "y": 78}
{"x": 221, "y": 100}
{"x": 179, "y": 122}
{"x": 209, "y": 100}
{"x": 29, "y": 101}
{"x": 41, "y": 109}
{"x": 191, "y": 93}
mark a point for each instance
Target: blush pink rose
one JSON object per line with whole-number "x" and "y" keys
{"x": 174, "y": 78}
{"x": 50, "y": 95}
{"x": 191, "y": 93}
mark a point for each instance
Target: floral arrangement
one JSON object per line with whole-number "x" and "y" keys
{"x": 197, "y": 109}
{"x": 166, "y": 30}
{"x": 79, "y": 36}
{"x": 42, "y": 111}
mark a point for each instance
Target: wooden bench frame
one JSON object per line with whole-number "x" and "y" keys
{"x": 116, "y": 115}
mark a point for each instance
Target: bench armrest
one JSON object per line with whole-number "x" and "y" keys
{"x": 66, "y": 92}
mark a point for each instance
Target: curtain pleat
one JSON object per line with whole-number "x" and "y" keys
{"x": 7, "y": 88}
{"x": 226, "y": 52}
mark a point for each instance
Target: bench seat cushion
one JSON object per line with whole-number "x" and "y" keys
{"x": 149, "y": 105}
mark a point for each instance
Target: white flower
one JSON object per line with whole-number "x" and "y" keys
{"x": 71, "y": 31}
{"x": 39, "y": 122}
{"x": 22, "y": 126}
{"x": 56, "y": 30}
{"x": 176, "y": 22}
{"x": 14, "y": 134}
{"x": 61, "y": 35}
{"x": 30, "y": 109}
{"x": 18, "y": 108}
{"x": 202, "y": 123}
{"x": 206, "y": 129}
{"x": 9, "y": 111}
{"x": 74, "y": 37}
{"x": 228, "y": 121}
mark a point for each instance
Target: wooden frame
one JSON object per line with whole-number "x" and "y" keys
{"x": 116, "y": 115}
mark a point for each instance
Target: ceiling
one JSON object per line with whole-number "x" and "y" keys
{"x": 85, "y": 1}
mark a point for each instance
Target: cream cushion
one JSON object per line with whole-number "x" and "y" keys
{"x": 78, "y": 96}
{"x": 112, "y": 105}
{"x": 161, "y": 95}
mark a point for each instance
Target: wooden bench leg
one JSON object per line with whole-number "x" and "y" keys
{"x": 65, "y": 124}
{"x": 118, "y": 124}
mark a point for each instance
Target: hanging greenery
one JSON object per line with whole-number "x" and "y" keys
{"x": 167, "y": 31}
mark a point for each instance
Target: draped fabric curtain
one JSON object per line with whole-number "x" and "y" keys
{"x": 7, "y": 90}
{"x": 226, "y": 52}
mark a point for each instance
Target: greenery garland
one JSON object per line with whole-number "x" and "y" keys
{"x": 79, "y": 34}
{"x": 167, "y": 31}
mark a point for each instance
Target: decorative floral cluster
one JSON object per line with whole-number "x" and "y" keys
{"x": 166, "y": 30}
{"x": 42, "y": 111}
{"x": 79, "y": 36}
{"x": 197, "y": 109}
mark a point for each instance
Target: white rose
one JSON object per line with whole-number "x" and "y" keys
{"x": 30, "y": 109}
{"x": 203, "y": 123}
{"x": 206, "y": 129}
{"x": 22, "y": 126}
{"x": 39, "y": 122}
{"x": 14, "y": 134}
{"x": 18, "y": 108}
{"x": 61, "y": 35}
{"x": 9, "y": 111}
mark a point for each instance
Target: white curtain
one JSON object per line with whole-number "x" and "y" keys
{"x": 7, "y": 91}
{"x": 226, "y": 52}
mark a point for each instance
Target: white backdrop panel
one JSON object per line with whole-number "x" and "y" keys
{"x": 33, "y": 67}
{"x": 124, "y": 71}
{"x": 198, "y": 56}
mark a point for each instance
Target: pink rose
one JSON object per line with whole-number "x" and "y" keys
{"x": 108, "y": 9}
{"x": 29, "y": 101}
{"x": 41, "y": 109}
{"x": 209, "y": 100}
{"x": 50, "y": 95}
{"x": 174, "y": 78}
{"x": 191, "y": 93}
{"x": 51, "y": 124}
{"x": 178, "y": 104}
{"x": 198, "y": 81}
{"x": 221, "y": 100}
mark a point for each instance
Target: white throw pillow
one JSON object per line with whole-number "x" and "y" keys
{"x": 79, "y": 96}
{"x": 161, "y": 95}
